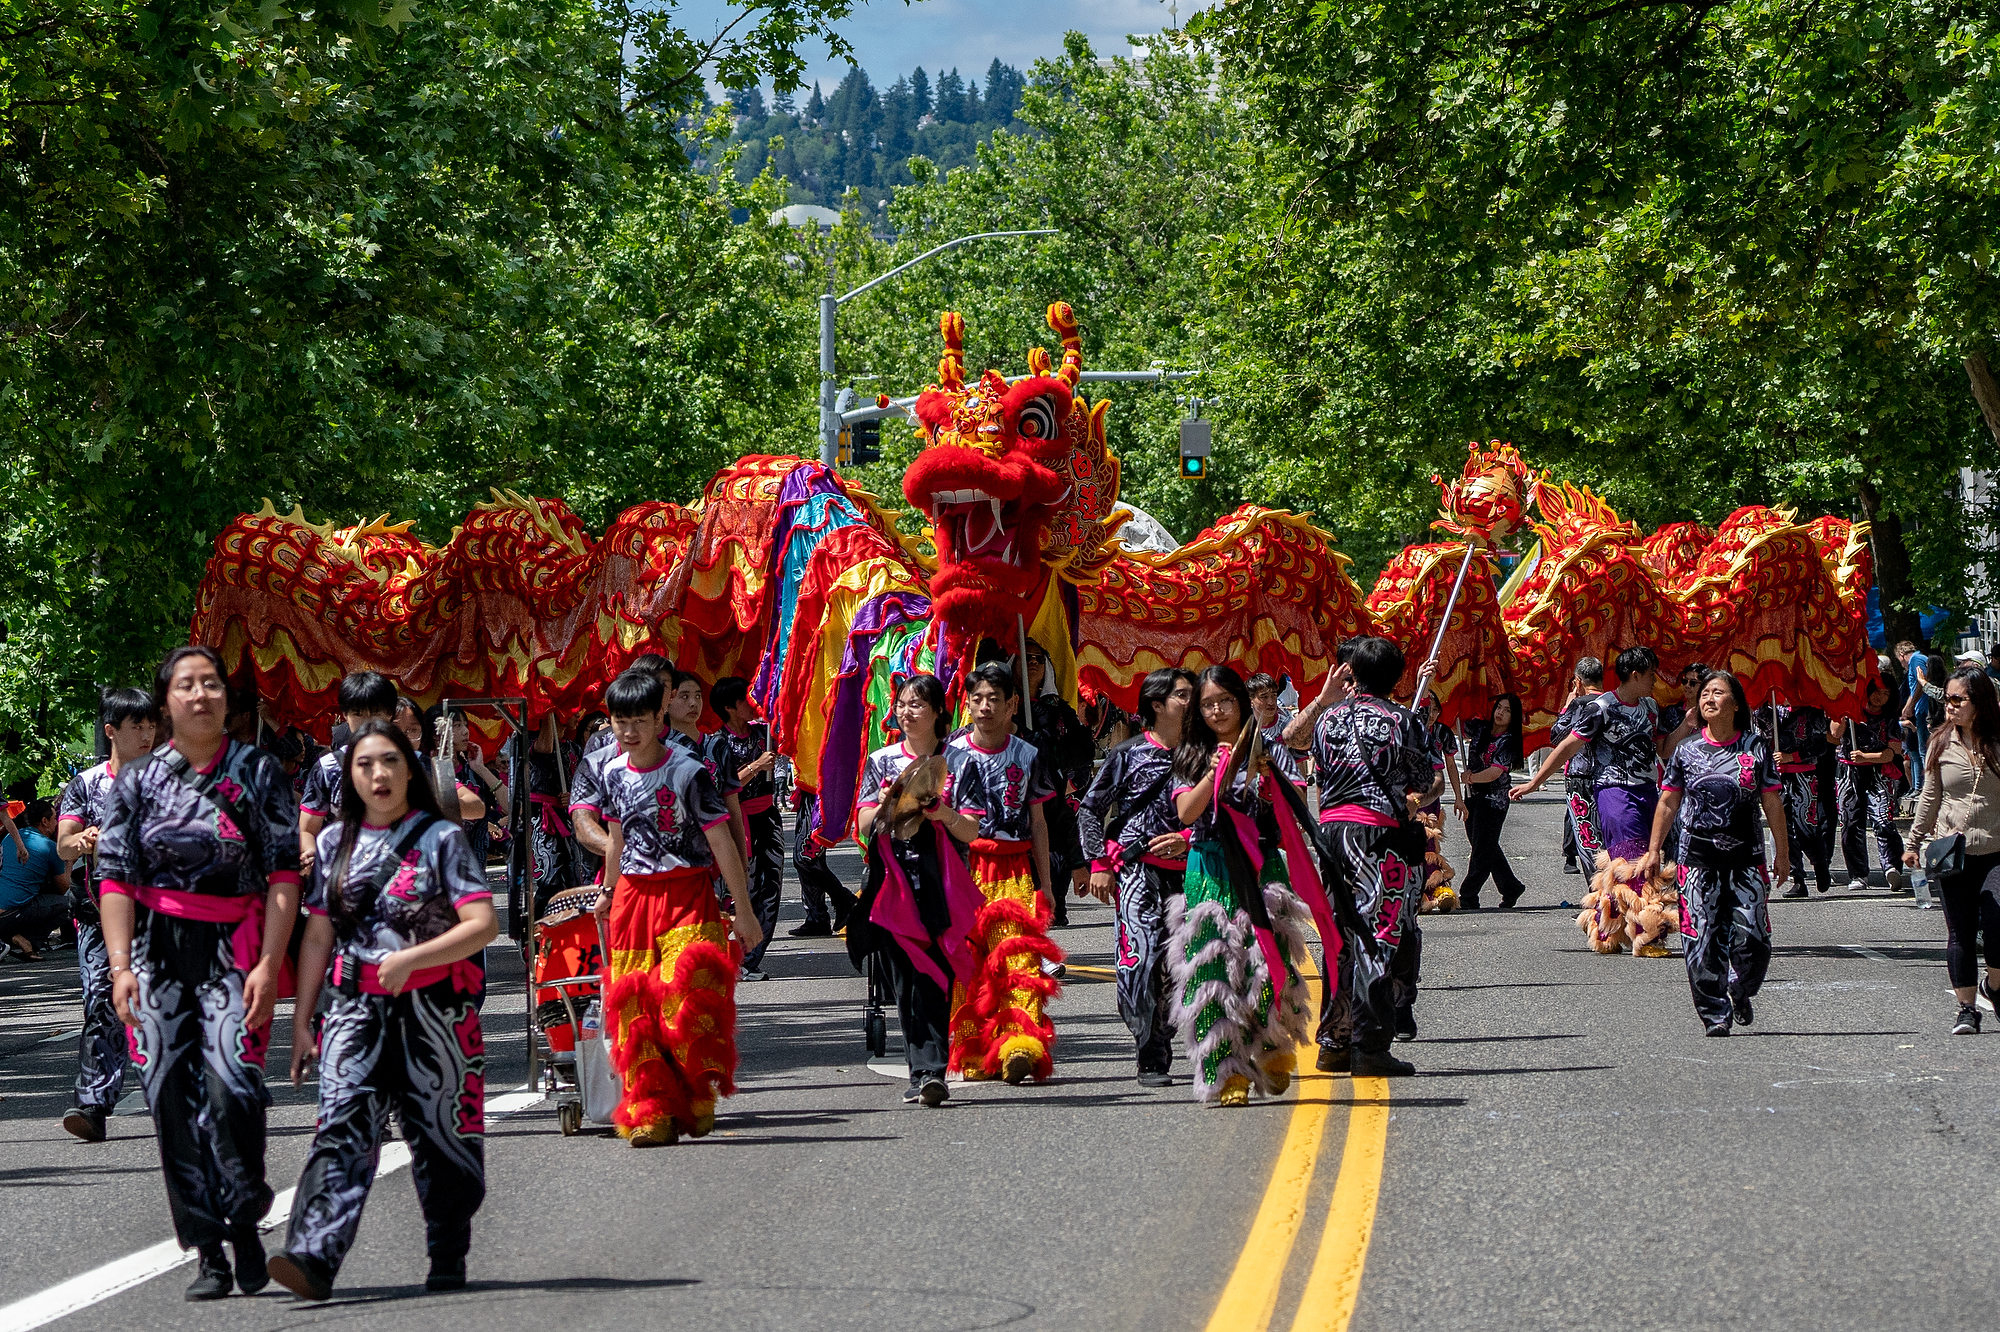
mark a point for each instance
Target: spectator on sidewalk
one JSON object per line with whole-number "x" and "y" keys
{"x": 31, "y": 890}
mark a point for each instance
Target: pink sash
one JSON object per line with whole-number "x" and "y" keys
{"x": 895, "y": 910}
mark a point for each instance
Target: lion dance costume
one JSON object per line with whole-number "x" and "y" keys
{"x": 998, "y": 1024}
{"x": 670, "y": 1005}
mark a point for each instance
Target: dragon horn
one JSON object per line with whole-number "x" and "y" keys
{"x": 951, "y": 370}
{"x": 1063, "y": 320}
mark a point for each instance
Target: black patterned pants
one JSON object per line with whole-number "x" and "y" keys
{"x": 766, "y": 835}
{"x": 203, "y": 1072}
{"x": 102, "y": 1049}
{"x": 1141, "y": 907}
{"x": 1726, "y": 919}
{"x": 1807, "y": 825}
{"x": 420, "y": 1054}
{"x": 1374, "y": 865}
{"x": 1867, "y": 801}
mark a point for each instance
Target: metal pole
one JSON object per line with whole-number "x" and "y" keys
{"x": 829, "y": 309}
{"x": 829, "y": 421}
{"x": 1027, "y": 703}
{"x": 1437, "y": 643}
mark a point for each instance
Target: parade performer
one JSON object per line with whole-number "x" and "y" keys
{"x": 1622, "y": 727}
{"x": 198, "y": 869}
{"x": 827, "y": 900}
{"x": 1132, "y": 832}
{"x": 998, "y": 1024}
{"x": 365, "y": 696}
{"x": 1067, "y": 751}
{"x": 1236, "y": 932}
{"x": 1720, "y": 778}
{"x": 1271, "y": 724}
{"x": 129, "y": 719}
{"x": 399, "y": 907}
{"x": 670, "y": 1004}
{"x": 1492, "y": 751}
{"x": 1871, "y": 752}
{"x": 918, "y": 904}
{"x": 1581, "y": 840}
{"x": 1801, "y": 740}
{"x": 1438, "y": 893}
{"x": 554, "y": 839}
{"x": 1371, "y": 756}
{"x": 741, "y": 746}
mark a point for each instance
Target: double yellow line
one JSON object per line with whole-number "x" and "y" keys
{"x": 1334, "y": 1282}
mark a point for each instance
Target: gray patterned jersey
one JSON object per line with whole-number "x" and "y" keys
{"x": 158, "y": 833}
{"x": 419, "y": 899}
{"x": 665, "y": 811}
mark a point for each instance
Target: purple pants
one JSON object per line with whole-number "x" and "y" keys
{"x": 1625, "y": 819}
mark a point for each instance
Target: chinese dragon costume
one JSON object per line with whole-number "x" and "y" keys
{"x": 791, "y": 575}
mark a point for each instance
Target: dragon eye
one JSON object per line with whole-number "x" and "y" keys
{"x": 1037, "y": 419}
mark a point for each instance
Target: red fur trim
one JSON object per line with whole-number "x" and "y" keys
{"x": 712, "y": 1056}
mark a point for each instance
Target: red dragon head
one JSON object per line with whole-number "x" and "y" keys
{"x": 1014, "y": 478}
{"x": 1488, "y": 501}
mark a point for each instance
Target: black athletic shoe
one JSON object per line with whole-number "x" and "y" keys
{"x": 1798, "y": 889}
{"x": 1986, "y": 992}
{"x": 1469, "y": 904}
{"x": 1821, "y": 877}
{"x": 1406, "y": 1023}
{"x": 1718, "y": 1028}
{"x": 1507, "y": 900}
{"x": 1155, "y": 1077}
{"x": 446, "y": 1274}
{"x": 1363, "y": 1064}
{"x": 1333, "y": 1058}
{"x": 251, "y": 1274}
{"x": 85, "y": 1122}
{"x": 1968, "y": 1021}
{"x": 303, "y": 1276}
{"x": 214, "y": 1280}
{"x": 811, "y": 930}
{"x": 933, "y": 1093}
{"x": 1571, "y": 867}
{"x": 1739, "y": 1010}
{"x": 750, "y": 974}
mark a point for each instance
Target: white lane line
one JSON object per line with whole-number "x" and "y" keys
{"x": 101, "y": 1283}
{"x": 1868, "y": 953}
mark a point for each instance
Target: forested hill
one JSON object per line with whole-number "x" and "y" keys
{"x": 862, "y": 136}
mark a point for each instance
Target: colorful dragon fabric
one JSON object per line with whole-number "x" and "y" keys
{"x": 790, "y": 575}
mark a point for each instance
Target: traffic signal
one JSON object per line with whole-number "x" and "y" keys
{"x": 866, "y": 442}
{"x": 1196, "y": 438}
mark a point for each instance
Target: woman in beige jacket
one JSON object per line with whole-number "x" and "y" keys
{"x": 1961, "y": 794}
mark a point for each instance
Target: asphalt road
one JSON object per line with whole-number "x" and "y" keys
{"x": 1573, "y": 1153}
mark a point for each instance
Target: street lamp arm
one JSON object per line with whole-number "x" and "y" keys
{"x": 950, "y": 244}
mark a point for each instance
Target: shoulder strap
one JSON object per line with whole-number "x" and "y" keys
{"x": 204, "y": 785}
{"x": 371, "y": 889}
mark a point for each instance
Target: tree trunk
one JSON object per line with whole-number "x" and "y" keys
{"x": 1985, "y": 390}
{"x": 1892, "y": 566}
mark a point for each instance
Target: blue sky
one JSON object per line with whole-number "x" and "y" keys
{"x": 892, "y": 38}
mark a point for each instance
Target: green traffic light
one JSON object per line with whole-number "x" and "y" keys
{"x": 1194, "y": 467}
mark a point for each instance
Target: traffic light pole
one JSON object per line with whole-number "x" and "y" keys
{"x": 829, "y": 310}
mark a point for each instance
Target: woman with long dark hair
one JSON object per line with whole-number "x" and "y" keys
{"x": 1237, "y": 930}
{"x": 199, "y": 874}
{"x": 1717, "y": 780}
{"x": 1137, "y": 844}
{"x": 917, "y": 906}
{"x": 1961, "y": 799}
{"x": 398, "y": 905}
{"x": 1492, "y": 752}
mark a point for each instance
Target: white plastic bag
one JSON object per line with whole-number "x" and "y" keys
{"x": 600, "y": 1084}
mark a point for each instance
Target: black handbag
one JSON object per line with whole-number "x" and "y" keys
{"x": 1945, "y": 856}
